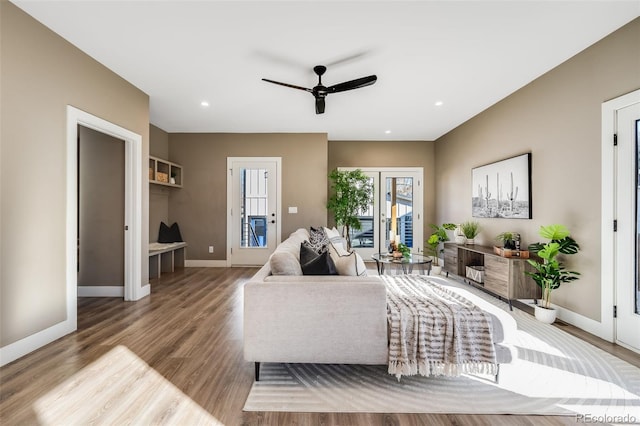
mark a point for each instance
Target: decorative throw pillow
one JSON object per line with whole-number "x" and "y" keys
{"x": 318, "y": 239}
{"x": 283, "y": 262}
{"x": 313, "y": 263}
{"x": 169, "y": 234}
{"x": 347, "y": 263}
{"x": 333, "y": 235}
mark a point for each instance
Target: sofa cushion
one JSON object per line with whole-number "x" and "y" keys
{"x": 283, "y": 262}
{"x": 318, "y": 239}
{"x": 313, "y": 263}
{"x": 347, "y": 263}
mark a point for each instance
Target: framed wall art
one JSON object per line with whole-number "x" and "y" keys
{"x": 502, "y": 189}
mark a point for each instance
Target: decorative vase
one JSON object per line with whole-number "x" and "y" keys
{"x": 471, "y": 241}
{"x": 458, "y": 236}
{"x": 545, "y": 315}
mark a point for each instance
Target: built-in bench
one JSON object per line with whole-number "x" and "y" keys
{"x": 165, "y": 257}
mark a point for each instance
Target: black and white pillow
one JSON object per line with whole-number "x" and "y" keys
{"x": 313, "y": 263}
{"x": 318, "y": 239}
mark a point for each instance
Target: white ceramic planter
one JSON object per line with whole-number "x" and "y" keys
{"x": 547, "y": 316}
{"x": 436, "y": 270}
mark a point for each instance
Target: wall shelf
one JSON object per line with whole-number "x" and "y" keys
{"x": 163, "y": 172}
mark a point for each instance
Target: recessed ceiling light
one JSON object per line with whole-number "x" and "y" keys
{"x": 387, "y": 131}
{"x": 439, "y": 103}
{"x": 204, "y": 104}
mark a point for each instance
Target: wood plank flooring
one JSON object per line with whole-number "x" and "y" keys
{"x": 190, "y": 331}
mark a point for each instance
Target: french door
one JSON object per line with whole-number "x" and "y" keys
{"x": 253, "y": 219}
{"x": 627, "y": 251}
{"x": 395, "y": 214}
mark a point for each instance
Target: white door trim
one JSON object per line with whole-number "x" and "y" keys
{"x": 605, "y": 329}
{"x": 230, "y": 161}
{"x": 133, "y": 238}
{"x": 133, "y": 288}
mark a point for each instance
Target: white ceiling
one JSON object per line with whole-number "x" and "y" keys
{"x": 466, "y": 54}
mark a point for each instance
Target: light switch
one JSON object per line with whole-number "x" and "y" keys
{"x": 293, "y": 210}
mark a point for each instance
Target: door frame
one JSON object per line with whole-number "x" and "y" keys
{"x": 606, "y": 328}
{"x": 133, "y": 288}
{"x": 230, "y": 161}
{"x": 420, "y": 209}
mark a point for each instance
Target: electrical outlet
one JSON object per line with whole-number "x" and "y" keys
{"x": 210, "y": 249}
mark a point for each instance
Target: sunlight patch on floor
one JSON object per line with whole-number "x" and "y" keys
{"x": 119, "y": 388}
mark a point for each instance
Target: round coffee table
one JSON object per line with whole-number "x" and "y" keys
{"x": 404, "y": 263}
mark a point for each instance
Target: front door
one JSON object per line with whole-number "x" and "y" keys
{"x": 253, "y": 221}
{"x": 396, "y": 209}
{"x": 627, "y": 263}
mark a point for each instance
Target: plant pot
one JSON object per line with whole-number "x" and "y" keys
{"x": 545, "y": 315}
{"x": 436, "y": 270}
{"x": 471, "y": 241}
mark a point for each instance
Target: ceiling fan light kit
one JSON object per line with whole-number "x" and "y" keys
{"x": 320, "y": 92}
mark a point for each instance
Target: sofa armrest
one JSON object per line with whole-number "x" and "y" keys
{"x": 316, "y": 321}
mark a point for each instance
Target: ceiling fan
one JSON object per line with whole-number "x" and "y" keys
{"x": 320, "y": 92}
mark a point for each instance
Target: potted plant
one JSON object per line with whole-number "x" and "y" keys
{"x": 551, "y": 273}
{"x": 470, "y": 229}
{"x": 438, "y": 236}
{"x": 507, "y": 239}
{"x": 404, "y": 250}
{"x": 352, "y": 194}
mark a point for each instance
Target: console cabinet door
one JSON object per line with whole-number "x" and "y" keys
{"x": 497, "y": 275}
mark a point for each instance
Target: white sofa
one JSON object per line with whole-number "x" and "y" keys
{"x": 313, "y": 318}
{"x": 330, "y": 319}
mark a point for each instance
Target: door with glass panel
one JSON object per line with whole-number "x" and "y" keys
{"x": 254, "y": 210}
{"x": 627, "y": 284}
{"x": 395, "y": 214}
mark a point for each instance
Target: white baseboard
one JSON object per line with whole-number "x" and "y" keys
{"x": 205, "y": 263}
{"x": 594, "y": 327}
{"x": 101, "y": 291}
{"x": 29, "y": 344}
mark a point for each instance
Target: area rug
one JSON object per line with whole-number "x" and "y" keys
{"x": 119, "y": 389}
{"x": 552, "y": 373}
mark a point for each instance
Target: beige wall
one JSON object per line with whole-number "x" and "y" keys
{"x": 158, "y": 194}
{"x": 41, "y": 75}
{"x": 558, "y": 119}
{"x": 200, "y": 206}
{"x": 100, "y": 209}
{"x": 390, "y": 154}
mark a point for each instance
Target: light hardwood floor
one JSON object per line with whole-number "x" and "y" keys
{"x": 190, "y": 331}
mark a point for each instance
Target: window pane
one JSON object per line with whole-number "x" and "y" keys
{"x": 253, "y": 214}
{"x": 399, "y": 210}
{"x": 364, "y": 237}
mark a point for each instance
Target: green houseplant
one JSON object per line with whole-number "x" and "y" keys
{"x": 438, "y": 237}
{"x": 351, "y": 194}
{"x": 470, "y": 229}
{"x": 404, "y": 249}
{"x": 551, "y": 273}
{"x": 508, "y": 240}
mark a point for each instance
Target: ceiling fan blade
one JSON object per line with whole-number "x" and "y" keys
{"x": 319, "y": 105}
{"x": 287, "y": 85}
{"x": 353, "y": 84}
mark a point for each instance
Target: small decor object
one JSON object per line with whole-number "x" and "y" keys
{"x": 503, "y": 189}
{"x": 551, "y": 273}
{"x": 470, "y": 229}
{"x": 162, "y": 177}
{"x": 508, "y": 240}
{"x": 352, "y": 193}
{"x": 403, "y": 250}
{"x": 438, "y": 237}
{"x": 458, "y": 235}
{"x": 501, "y": 251}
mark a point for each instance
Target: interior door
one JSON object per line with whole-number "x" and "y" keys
{"x": 254, "y": 216}
{"x": 627, "y": 252}
{"x": 397, "y": 207}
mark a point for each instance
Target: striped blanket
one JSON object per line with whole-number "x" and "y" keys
{"x": 434, "y": 331}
